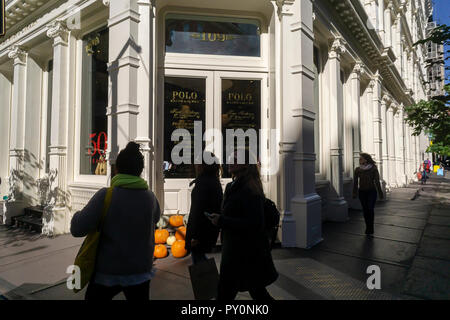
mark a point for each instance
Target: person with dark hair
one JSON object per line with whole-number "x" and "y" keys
{"x": 206, "y": 196}
{"x": 246, "y": 263}
{"x": 125, "y": 252}
{"x": 369, "y": 184}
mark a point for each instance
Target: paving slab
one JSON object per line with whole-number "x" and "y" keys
{"x": 398, "y": 221}
{"x": 434, "y": 248}
{"x": 376, "y": 249}
{"x": 445, "y": 212}
{"x": 387, "y": 232}
{"x": 427, "y": 285}
{"x": 439, "y": 220}
{"x": 434, "y": 231}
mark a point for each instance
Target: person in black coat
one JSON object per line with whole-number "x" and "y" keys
{"x": 201, "y": 234}
{"x": 246, "y": 263}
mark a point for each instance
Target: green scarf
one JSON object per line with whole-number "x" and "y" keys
{"x": 128, "y": 181}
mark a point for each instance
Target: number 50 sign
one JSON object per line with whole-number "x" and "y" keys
{"x": 96, "y": 142}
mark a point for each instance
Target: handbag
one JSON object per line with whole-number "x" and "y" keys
{"x": 419, "y": 176}
{"x": 204, "y": 279}
{"x": 87, "y": 255}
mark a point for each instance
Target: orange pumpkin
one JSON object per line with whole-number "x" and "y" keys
{"x": 161, "y": 236}
{"x": 180, "y": 234}
{"x": 160, "y": 251}
{"x": 176, "y": 220}
{"x": 178, "y": 250}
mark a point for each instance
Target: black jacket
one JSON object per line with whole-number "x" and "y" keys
{"x": 206, "y": 196}
{"x": 246, "y": 259}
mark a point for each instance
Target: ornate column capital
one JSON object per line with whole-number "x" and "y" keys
{"x": 359, "y": 69}
{"x": 337, "y": 47}
{"x": 58, "y": 30}
{"x": 281, "y": 5}
{"x": 386, "y": 99}
{"x": 105, "y": 2}
{"x": 17, "y": 54}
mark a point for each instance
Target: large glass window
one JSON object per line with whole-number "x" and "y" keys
{"x": 184, "y": 106}
{"x": 241, "y": 109}
{"x": 94, "y": 122}
{"x": 212, "y": 35}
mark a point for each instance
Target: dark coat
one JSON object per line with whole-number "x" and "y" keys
{"x": 246, "y": 259}
{"x": 206, "y": 196}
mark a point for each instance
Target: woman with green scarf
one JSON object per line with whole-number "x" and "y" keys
{"x": 125, "y": 253}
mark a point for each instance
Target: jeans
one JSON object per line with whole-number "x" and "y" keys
{"x": 368, "y": 199}
{"x": 140, "y": 292}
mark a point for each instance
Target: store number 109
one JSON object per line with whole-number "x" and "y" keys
{"x": 97, "y": 142}
{"x": 212, "y": 37}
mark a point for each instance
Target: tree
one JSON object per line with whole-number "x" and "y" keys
{"x": 433, "y": 116}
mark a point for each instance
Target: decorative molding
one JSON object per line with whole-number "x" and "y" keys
{"x": 337, "y": 47}
{"x": 58, "y": 30}
{"x": 17, "y": 54}
{"x": 359, "y": 69}
{"x": 105, "y": 2}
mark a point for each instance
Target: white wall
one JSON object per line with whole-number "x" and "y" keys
{"x": 5, "y": 117}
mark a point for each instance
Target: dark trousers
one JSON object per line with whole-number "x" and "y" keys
{"x": 227, "y": 292}
{"x": 197, "y": 255}
{"x": 368, "y": 199}
{"x": 140, "y": 292}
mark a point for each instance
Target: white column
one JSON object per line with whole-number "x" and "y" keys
{"x": 398, "y": 42}
{"x": 56, "y": 216}
{"x": 17, "y": 135}
{"x": 391, "y": 146}
{"x": 338, "y": 206}
{"x": 384, "y": 139}
{"x": 407, "y": 152}
{"x": 16, "y": 151}
{"x": 5, "y": 127}
{"x": 355, "y": 83}
{"x": 376, "y": 107}
{"x": 300, "y": 204}
{"x": 388, "y": 25}
{"x": 146, "y": 86}
{"x": 401, "y": 124}
{"x": 369, "y": 114}
{"x": 381, "y": 31}
{"x": 123, "y": 68}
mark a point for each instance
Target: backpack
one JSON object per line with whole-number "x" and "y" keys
{"x": 271, "y": 220}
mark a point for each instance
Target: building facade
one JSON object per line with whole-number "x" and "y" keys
{"x": 321, "y": 81}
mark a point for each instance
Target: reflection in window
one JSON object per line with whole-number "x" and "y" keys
{"x": 212, "y": 35}
{"x": 94, "y": 122}
{"x": 184, "y": 104}
{"x": 241, "y": 109}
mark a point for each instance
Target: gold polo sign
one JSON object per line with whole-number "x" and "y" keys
{"x": 2, "y": 18}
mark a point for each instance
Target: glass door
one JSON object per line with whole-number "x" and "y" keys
{"x": 202, "y": 111}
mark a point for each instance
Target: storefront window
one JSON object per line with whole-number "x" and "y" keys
{"x": 184, "y": 104}
{"x": 212, "y": 35}
{"x": 241, "y": 109}
{"x": 94, "y": 122}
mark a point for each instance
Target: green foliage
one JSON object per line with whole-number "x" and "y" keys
{"x": 433, "y": 116}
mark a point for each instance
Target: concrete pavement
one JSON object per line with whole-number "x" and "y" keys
{"x": 411, "y": 246}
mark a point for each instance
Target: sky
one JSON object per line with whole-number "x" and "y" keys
{"x": 441, "y": 14}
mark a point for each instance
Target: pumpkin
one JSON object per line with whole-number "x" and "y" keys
{"x": 178, "y": 250}
{"x": 160, "y": 251}
{"x": 176, "y": 220}
{"x": 161, "y": 236}
{"x": 171, "y": 240}
{"x": 180, "y": 234}
{"x": 163, "y": 222}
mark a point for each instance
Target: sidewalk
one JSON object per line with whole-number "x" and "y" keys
{"x": 411, "y": 246}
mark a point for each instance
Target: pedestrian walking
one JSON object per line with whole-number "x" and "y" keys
{"x": 424, "y": 174}
{"x": 246, "y": 263}
{"x": 206, "y": 197}
{"x": 369, "y": 185}
{"x": 125, "y": 252}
